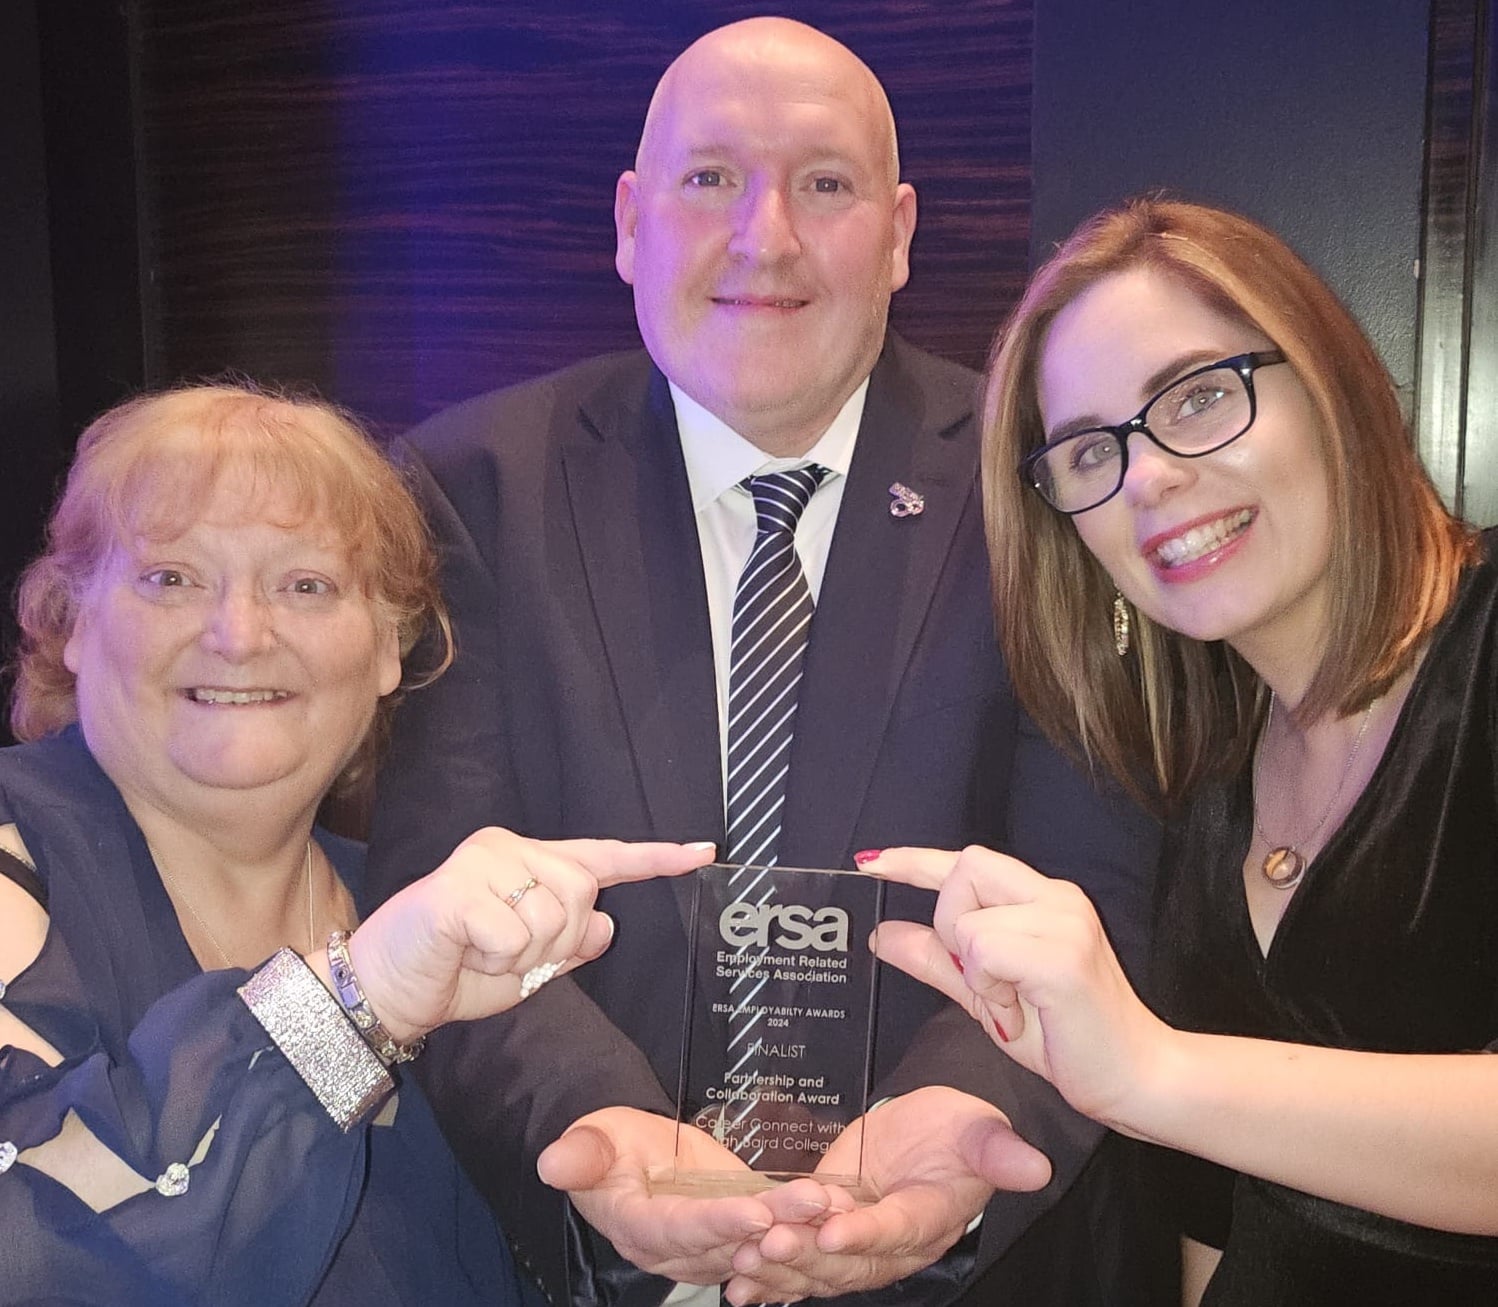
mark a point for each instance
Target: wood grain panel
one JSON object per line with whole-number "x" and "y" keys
{"x": 1440, "y": 405}
{"x": 405, "y": 203}
{"x": 1480, "y": 432}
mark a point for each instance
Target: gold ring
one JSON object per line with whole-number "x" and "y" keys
{"x": 515, "y": 895}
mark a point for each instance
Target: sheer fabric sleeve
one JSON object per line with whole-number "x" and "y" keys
{"x": 195, "y": 1167}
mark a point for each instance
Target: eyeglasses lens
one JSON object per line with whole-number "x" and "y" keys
{"x": 1197, "y": 415}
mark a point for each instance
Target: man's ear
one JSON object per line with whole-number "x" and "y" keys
{"x": 904, "y": 226}
{"x": 626, "y": 216}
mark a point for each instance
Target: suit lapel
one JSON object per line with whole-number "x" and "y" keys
{"x": 631, "y": 508}
{"x": 881, "y": 574}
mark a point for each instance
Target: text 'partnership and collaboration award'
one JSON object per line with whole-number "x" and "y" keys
{"x": 779, "y": 1024}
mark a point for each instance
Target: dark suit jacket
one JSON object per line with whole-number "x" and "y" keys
{"x": 582, "y": 702}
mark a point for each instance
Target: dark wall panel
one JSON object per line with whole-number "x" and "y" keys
{"x": 405, "y": 203}
{"x": 1453, "y": 157}
{"x": 30, "y": 452}
{"x": 1307, "y": 116}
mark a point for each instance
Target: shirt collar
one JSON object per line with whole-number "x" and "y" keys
{"x": 718, "y": 458}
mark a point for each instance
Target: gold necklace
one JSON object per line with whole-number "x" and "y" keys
{"x": 1285, "y": 864}
{"x": 179, "y": 893}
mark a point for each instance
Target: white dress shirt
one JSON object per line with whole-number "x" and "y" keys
{"x": 717, "y": 460}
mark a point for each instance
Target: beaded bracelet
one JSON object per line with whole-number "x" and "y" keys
{"x": 351, "y": 996}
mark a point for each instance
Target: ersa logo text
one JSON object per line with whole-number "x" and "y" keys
{"x": 786, "y": 925}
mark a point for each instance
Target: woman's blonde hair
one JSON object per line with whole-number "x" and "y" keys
{"x": 1177, "y": 710}
{"x": 149, "y": 465}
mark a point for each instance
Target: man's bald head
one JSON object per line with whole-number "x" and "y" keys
{"x": 764, "y": 227}
{"x": 781, "y": 42}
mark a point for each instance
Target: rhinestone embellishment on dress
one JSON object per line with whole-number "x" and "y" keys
{"x": 173, "y": 1182}
{"x": 8, "y": 1155}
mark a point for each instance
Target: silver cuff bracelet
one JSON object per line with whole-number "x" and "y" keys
{"x": 319, "y": 1041}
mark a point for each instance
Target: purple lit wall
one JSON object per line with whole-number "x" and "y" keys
{"x": 406, "y": 202}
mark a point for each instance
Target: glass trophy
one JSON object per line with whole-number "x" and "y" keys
{"x": 778, "y": 1047}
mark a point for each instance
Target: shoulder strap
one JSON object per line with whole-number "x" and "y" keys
{"x": 12, "y": 868}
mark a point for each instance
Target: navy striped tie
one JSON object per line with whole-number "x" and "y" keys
{"x": 772, "y": 613}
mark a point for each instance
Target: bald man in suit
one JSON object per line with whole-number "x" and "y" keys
{"x": 594, "y": 525}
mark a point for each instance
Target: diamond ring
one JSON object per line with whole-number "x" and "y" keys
{"x": 536, "y": 977}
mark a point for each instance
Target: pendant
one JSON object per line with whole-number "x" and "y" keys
{"x": 1283, "y": 867}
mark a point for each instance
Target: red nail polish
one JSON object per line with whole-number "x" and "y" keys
{"x": 866, "y": 855}
{"x": 956, "y": 961}
{"x": 999, "y": 1031}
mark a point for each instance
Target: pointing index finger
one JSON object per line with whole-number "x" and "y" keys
{"x": 613, "y": 862}
{"x": 921, "y": 868}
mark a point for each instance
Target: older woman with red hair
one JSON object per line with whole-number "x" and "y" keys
{"x": 200, "y": 1041}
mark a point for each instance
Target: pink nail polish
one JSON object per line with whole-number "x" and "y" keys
{"x": 956, "y": 962}
{"x": 866, "y": 855}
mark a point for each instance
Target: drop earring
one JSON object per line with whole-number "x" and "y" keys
{"x": 1121, "y": 623}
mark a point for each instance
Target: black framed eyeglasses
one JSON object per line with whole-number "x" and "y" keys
{"x": 1195, "y": 415}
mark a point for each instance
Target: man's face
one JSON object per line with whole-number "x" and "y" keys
{"x": 763, "y": 232}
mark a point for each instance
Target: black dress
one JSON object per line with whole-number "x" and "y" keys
{"x": 1390, "y": 944}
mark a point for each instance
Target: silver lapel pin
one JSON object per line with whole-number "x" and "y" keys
{"x": 906, "y": 502}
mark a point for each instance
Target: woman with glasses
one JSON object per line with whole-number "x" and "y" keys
{"x": 1247, "y": 601}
